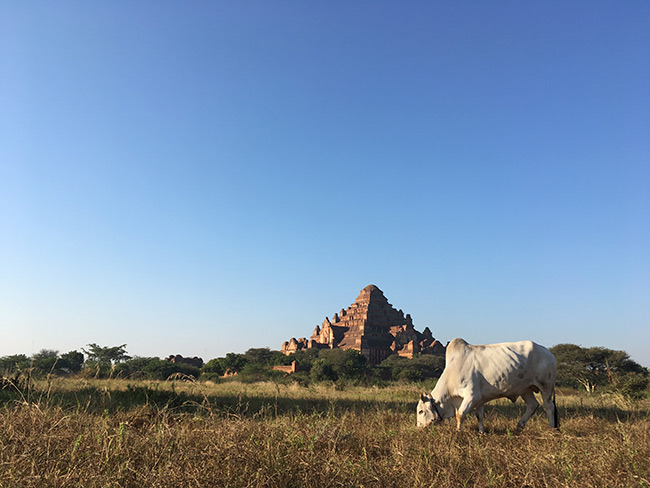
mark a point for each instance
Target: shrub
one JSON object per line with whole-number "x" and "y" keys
{"x": 11, "y": 364}
{"x": 419, "y": 368}
{"x": 633, "y": 385}
{"x": 152, "y": 368}
{"x": 321, "y": 370}
{"x": 348, "y": 364}
{"x": 213, "y": 367}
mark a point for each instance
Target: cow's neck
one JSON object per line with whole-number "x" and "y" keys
{"x": 440, "y": 395}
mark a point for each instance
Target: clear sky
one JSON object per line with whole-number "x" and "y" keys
{"x": 199, "y": 177}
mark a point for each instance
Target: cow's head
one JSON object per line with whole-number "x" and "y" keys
{"x": 427, "y": 411}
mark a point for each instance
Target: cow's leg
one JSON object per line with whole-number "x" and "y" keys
{"x": 531, "y": 406}
{"x": 551, "y": 408}
{"x": 480, "y": 415}
{"x": 465, "y": 407}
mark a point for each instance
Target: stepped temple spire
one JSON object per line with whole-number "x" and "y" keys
{"x": 372, "y": 326}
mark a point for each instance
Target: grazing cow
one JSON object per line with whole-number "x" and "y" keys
{"x": 475, "y": 375}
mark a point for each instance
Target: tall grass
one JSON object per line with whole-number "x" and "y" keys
{"x": 117, "y": 433}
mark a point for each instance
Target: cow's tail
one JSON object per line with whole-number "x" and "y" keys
{"x": 556, "y": 416}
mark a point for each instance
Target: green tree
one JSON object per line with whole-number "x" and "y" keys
{"x": 106, "y": 355}
{"x": 321, "y": 370}
{"x": 633, "y": 385}
{"x": 133, "y": 368}
{"x": 48, "y": 361}
{"x": 45, "y": 361}
{"x": 71, "y": 362}
{"x": 101, "y": 360}
{"x": 260, "y": 355}
{"x": 416, "y": 369}
{"x": 161, "y": 369}
{"x": 233, "y": 362}
{"x": 214, "y": 366}
{"x": 279, "y": 359}
{"x": 13, "y": 363}
{"x": 258, "y": 372}
{"x": 347, "y": 364}
{"x": 152, "y": 368}
{"x": 594, "y": 366}
{"x": 304, "y": 358}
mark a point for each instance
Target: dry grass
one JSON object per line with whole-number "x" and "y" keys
{"x": 112, "y": 433}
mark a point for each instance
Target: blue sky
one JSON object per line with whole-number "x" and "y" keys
{"x": 209, "y": 177}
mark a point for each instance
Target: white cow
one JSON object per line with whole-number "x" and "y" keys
{"x": 475, "y": 375}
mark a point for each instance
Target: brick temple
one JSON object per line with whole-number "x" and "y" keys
{"x": 372, "y": 326}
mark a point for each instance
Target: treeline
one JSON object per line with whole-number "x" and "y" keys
{"x": 595, "y": 368}
{"x": 256, "y": 364}
{"x": 314, "y": 365}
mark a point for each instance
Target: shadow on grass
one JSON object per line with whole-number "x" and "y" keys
{"x": 610, "y": 413}
{"x": 95, "y": 400}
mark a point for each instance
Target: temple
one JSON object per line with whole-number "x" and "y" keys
{"x": 372, "y": 326}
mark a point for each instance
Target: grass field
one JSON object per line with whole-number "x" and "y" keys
{"x": 110, "y": 433}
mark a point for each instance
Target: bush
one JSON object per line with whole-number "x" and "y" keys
{"x": 633, "y": 385}
{"x": 256, "y": 372}
{"x": 214, "y": 377}
{"x": 11, "y": 364}
{"x": 159, "y": 369}
{"x": 233, "y": 362}
{"x": 94, "y": 369}
{"x": 260, "y": 355}
{"x": 321, "y": 370}
{"x": 71, "y": 362}
{"x": 347, "y": 364}
{"x": 300, "y": 378}
{"x": 304, "y": 359}
{"x": 153, "y": 369}
{"x": 419, "y": 368}
{"x": 213, "y": 367}
{"x": 133, "y": 368}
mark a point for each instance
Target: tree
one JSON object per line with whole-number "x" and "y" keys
{"x": 71, "y": 362}
{"x": 321, "y": 370}
{"x": 214, "y": 366}
{"x": 48, "y": 361}
{"x": 45, "y": 360}
{"x": 161, "y": 369}
{"x": 416, "y": 369}
{"x": 633, "y": 385}
{"x": 278, "y": 358}
{"x": 260, "y": 355}
{"x": 13, "y": 363}
{"x": 106, "y": 355}
{"x": 152, "y": 368}
{"x": 102, "y": 360}
{"x": 594, "y": 366}
{"x": 347, "y": 364}
{"x": 304, "y": 358}
{"x": 233, "y": 362}
{"x": 132, "y": 368}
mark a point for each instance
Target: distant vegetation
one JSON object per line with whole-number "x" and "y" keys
{"x": 591, "y": 369}
{"x": 102, "y": 418}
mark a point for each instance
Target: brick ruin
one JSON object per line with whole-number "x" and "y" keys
{"x": 292, "y": 368}
{"x": 370, "y": 325}
{"x": 178, "y": 359}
